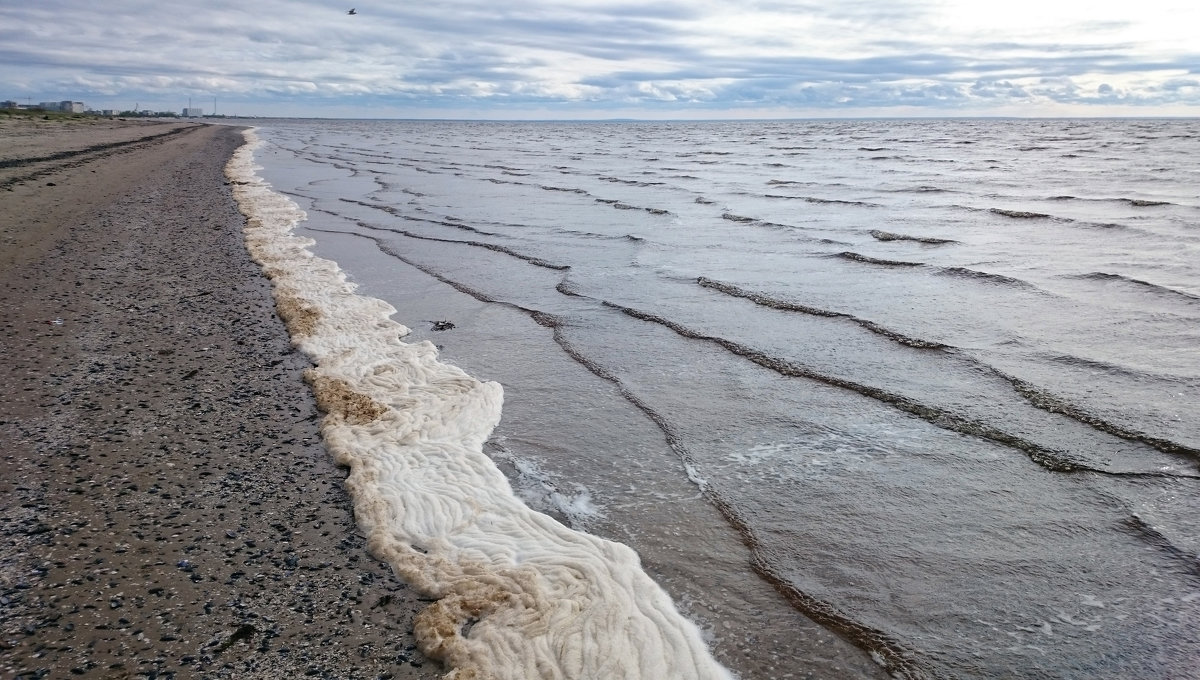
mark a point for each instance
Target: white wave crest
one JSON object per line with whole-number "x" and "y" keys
{"x": 519, "y": 595}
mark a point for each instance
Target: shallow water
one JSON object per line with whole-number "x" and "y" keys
{"x": 916, "y": 397}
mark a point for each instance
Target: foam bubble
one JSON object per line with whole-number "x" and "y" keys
{"x": 519, "y": 595}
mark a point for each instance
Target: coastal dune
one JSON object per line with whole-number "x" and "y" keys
{"x": 167, "y": 507}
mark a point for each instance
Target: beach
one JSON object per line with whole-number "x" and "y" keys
{"x": 167, "y": 508}
{"x": 766, "y": 400}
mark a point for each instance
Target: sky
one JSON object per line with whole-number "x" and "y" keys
{"x": 603, "y": 59}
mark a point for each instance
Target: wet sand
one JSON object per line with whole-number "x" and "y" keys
{"x": 167, "y": 508}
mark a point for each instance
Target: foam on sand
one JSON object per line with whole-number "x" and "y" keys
{"x": 519, "y": 595}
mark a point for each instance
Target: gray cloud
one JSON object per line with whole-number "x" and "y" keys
{"x": 581, "y": 58}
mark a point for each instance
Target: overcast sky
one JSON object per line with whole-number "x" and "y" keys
{"x": 607, "y": 58}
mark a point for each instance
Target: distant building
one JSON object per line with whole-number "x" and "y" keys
{"x": 193, "y": 113}
{"x": 63, "y": 106}
{"x": 9, "y": 104}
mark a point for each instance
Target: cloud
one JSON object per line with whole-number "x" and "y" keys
{"x": 585, "y": 57}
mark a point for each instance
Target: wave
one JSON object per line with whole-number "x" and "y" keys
{"x": 568, "y": 288}
{"x": 788, "y": 306}
{"x": 919, "y": 189}
{"x": 600, "y": 237}
{"x": 1096, "y": 365}
{"x": 892, "y": 655}
{"x": 361, "y": 152}
{"x": 742, "y": 219}
{"x": 856, "y": 257}
{"x": 572, "y": 190}
{"x": 1037, "y": 397}
{"x": 1136, "y": 202}
{"x": 1155, "y": 538}
{"x": 1053, "y": 460}
{"x": 831, "y": 201}
{"x": 396, "y": 212}
{"x": 881, "y": 235}
{"x": 1153, "y": 287}
{"x": 632, "y": 182}
{"x": 1052, "y": 403}
{"x": 625, "y": 206}
{"x": 1103, "y": 225}
{"x": 963, "y": 272}
{"x": 538, "y": 598}
{"x": 1018, "y": 214}
{"x": 536, "y": 261}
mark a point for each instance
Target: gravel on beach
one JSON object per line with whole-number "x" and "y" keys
{"x": 167, "y": 508}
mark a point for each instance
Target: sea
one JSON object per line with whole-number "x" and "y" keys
{"x": 760, "y": 399}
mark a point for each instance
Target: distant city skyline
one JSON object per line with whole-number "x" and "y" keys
{"x": 609, "y": 58}
{"x": 71, "y": 106}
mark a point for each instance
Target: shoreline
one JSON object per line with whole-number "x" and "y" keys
{"x": 169, "y": 508}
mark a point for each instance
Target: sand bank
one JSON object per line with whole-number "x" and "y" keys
{"x": 167, "y": 508}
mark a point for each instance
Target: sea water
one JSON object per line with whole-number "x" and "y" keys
{"x": 823, "y": 398}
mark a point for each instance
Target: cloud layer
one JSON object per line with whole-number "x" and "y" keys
{"x": 603, "y": 58}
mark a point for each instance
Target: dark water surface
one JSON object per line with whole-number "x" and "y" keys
{"x": 868, "y": 397}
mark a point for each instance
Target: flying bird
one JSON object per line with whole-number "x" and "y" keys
{"x": 352, "y": 11}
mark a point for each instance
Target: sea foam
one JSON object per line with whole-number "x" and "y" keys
{"x": 519, "y": 595}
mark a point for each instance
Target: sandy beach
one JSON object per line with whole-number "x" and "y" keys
{"x": 167, "y": 508}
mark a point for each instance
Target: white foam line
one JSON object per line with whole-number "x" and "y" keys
{"x": 542, "y": 600}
